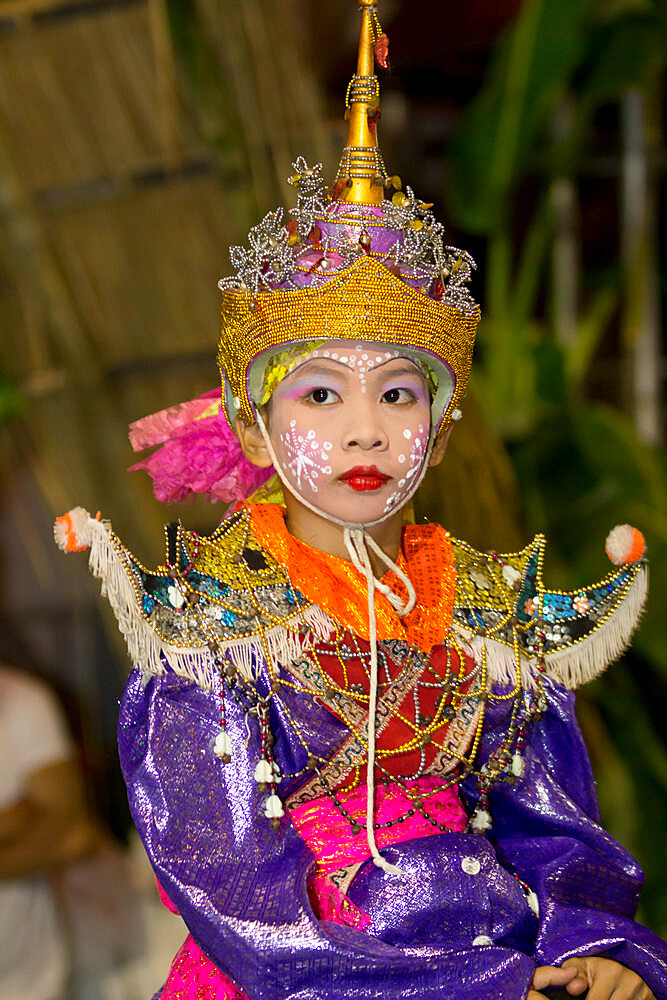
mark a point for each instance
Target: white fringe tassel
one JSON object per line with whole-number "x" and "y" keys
{"x": 572, "y": 667}
{"x": 197, "y": 664}
{"x": 589, "y": 658}
{"x": 581, "y": 662}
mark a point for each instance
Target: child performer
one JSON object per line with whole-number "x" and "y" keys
{"x": 350, "y": 743}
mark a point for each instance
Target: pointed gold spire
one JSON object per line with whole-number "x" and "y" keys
{"x": 361, "y": 173}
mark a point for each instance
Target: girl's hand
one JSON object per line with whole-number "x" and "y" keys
{"x": 604, "y": 977}
{"x": 550, "y": 975}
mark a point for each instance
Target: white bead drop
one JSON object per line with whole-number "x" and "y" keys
{"x": 175, "y": 595}
{"x": 223, "y": 745}
{"x": 481, "y": 821}
{"x": 263, "y": 772}
{"x": 273, "y": 807}
{"x": 511, "y": 575}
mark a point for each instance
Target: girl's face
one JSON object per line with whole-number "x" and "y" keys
{"x": 350, "y": 428}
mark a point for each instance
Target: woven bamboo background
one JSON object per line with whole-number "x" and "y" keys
{"x": 122, "y": 186}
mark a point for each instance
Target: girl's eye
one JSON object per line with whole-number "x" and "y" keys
{"x": 397, "y": 396}
{"x": 321, "y": 395}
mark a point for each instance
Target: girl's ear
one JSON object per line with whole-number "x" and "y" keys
{"x": 252, "y": 443}
{"x": 440, "y": 447}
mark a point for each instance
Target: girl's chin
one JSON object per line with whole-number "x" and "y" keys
{"x": 357, "y": 507}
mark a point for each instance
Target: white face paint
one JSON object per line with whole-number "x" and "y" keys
{"x": 305, "y": 458}
{"x": 357, "y": 358}
{"x": 351, "y": 423}
{"x": 418, "y": 447}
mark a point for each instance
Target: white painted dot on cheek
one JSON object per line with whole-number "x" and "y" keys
{"x": 401, "y": 459}
{"x": 407, "y": 434}
{"x": 327, "y": 446}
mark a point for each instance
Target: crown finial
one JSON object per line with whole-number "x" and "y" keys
{"x": 361, "y": 172}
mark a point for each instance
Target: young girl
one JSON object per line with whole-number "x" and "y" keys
{"x": 349, "y": 743}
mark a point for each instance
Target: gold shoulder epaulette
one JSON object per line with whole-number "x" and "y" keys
{"x": 503, "y": 606}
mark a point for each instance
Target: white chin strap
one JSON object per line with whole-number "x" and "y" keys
{"x": 358, "y": 542}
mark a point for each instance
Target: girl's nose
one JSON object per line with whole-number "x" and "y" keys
{"x": 366, "y": 433}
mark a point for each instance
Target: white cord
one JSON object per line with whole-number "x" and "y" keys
{"x": 400, "y": 608}
{"x": 357, "y": 541}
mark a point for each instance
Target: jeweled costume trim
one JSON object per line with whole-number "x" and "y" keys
{"x": 247, "y": 604}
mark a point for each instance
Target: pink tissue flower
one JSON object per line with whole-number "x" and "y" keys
{"x": 196, "y": 454}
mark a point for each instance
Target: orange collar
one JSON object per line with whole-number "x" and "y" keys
{"x": 340, "y": 590}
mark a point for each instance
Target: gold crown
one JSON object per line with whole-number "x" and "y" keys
{"x": 380, "y": 272}
{"x": 364, "y": 302}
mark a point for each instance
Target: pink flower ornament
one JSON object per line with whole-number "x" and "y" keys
{"x": 198, "y": 453}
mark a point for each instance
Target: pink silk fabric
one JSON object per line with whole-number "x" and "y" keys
{"x": 194, "y": 977}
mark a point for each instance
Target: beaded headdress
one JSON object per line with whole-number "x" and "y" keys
{"x": 361, "y": 260}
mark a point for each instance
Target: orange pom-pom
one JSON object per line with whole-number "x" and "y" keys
{"x": 71, "y": 530}
{"x": 625, "y": 544}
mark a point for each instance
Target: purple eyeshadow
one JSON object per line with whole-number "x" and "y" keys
{"x": 306, "y": 385}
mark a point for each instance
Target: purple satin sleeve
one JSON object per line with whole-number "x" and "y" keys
{"x": 546, "y": 830}
{"x": 241, "y": 887}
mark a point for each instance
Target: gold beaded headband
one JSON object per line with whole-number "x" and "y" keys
{"x": 363, "y": 302}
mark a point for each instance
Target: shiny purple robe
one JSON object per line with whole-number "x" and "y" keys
{"x": 241, "y": 887}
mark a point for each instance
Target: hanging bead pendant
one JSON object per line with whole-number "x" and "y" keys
{"x": 481, "y": 821}
{"x": 273, "y": 810}
{"x": 222, "y": 747}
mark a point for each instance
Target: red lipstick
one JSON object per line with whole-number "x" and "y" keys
{"x": 364, "y": 478}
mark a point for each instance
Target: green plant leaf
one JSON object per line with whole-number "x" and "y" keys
{"x": 624, "y": 53}
{"x": 529, "y": 72}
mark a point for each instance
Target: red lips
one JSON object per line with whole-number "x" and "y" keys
{"x": 364, "y": 478}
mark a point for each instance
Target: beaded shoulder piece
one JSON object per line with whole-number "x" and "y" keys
{"x": 520, "y": 628}
{"x": 225, "y": 596}
{"x": 219, "y": 596}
